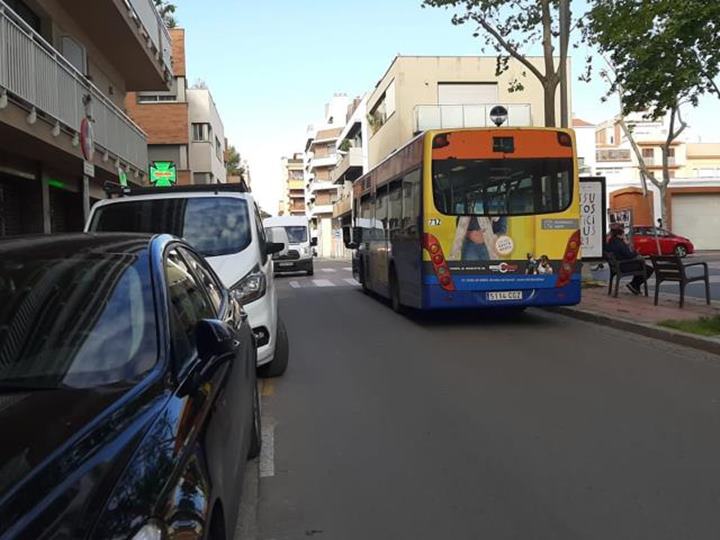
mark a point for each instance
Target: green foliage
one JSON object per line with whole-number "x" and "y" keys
{"x": 664, "y": 52}
{"x": 345, "y": 145}
{"x": 167, "y": 12}
{"x": 232, "y": 162}
{"x": 704, "y": 326}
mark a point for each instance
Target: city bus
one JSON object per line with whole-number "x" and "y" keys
{"x": 471, "y": 218}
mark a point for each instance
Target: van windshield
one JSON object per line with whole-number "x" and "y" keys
{"x": 296, "y": 234}
{"x": 213, "y": 225}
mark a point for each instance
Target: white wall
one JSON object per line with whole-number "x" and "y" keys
{"x": 203, "y": 156}
{"x": 585, "y": 140}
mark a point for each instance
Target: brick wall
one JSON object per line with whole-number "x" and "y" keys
{"x": 164, "y": 123}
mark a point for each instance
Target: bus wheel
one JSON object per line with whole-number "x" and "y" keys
{"x": 395, "y": 293}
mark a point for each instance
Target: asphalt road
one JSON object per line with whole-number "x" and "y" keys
{"x": 536, "y": 427}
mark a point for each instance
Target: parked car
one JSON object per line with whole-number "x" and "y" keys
{"x": 646, "y": 244}
{"x": 128, "y": 397}
{"x": 223, "y": 223}
{"x": 300, "y": 253}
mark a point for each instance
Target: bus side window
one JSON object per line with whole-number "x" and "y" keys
{"x": 411, "y": 203}
{"x": 381, "y": 215}
{"x": 367, "y": 215}
{"x": 395, "y": 208}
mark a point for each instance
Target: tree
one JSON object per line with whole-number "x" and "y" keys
{"x": 232, "y": 160}
{"x": 167, "y": 12}
{"x": 509, "y": 26}
{"x": 662, "y": 58}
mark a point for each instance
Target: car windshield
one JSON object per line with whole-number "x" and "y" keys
{"x": 213, "y": 225}
{"x": 296, "y": 234}
{"x": 76, "y": 322}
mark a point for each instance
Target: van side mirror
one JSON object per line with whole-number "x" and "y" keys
{"x": 274, "y": 247}
{"x": 313, "y": 241}
{"x": 352, "y": 237}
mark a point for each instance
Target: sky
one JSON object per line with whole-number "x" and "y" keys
{"x": 271, "y": 66}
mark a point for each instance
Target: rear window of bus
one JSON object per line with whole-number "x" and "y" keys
{"x": 502, "y": 187}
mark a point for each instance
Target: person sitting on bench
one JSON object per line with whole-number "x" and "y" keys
{"x": 619, "y": 246}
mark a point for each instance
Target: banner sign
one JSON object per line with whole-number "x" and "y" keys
{"x": 593, "y": 220}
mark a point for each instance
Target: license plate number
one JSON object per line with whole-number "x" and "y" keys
{"x": 285, "y": 264}
{"x": 500, "y": 296}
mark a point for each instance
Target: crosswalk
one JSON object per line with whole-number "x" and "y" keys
{"x": 323, "y": 283}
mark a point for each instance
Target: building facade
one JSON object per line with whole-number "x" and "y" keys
{"x": 207, "y": 138}
{"x": 321, "y": 157}
{"x": 62, "y": 122}
{"x": 448, "y": 91}
{"x": 293, "y": 201}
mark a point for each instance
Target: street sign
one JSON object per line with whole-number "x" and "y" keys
{"x": 593, "y": 217}
{"x": 87, "y": 139}
{"x": 163, "y": 173}
{"x": 88, "y": 169}
{"x": 122, "y": 175}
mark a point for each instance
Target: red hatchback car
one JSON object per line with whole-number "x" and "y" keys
{"x": 645, "y": 243}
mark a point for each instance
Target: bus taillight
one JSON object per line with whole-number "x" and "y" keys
{"x": 440, "y": 266}
{"x": 572, "y": 250}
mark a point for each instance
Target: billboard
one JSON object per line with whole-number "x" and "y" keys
{"x": 593, "y": 216}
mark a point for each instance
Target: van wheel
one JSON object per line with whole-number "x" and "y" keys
{"x": 256, "y": 434}
{"x": 278, "y": 364}
{"x": 311, "y": 270}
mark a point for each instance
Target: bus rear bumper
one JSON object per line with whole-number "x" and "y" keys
{"x": 435, "y": 297}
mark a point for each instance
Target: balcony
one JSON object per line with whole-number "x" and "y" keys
{"x": 349, "y": 167}
{"x": 322, "y": 186}
{"x": 468, "y": 116}
{"x": 657, "y": 162}
{"x": 131, "y": 34}
{"x": 620, "y": 154}
{"x": 296, "y": 184}
{"x": 343, "y": 205}
{"x": 324, "y": 161}
{"x": 35, "y": 75}
{"x": 318, "y": 209}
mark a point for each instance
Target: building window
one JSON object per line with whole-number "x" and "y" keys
{"x": 156, "y": 98}
{"x": 383, "y": 109}
{"x": 218, "y": 149}
{"x": 648, "y": 153}
{"x": 201, "y": 132}
{"x": 74, "y": 53}
{"x": 202, "y": 178}
{"x": 671, "y": 152}
{"x": 25, "y": 13}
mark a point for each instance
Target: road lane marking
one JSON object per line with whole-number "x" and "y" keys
{"x": 351, "y": 281}
{"x": 348, "y": 268}
{"x": 268, "y": 388}
{"x": 328, "y": 270}
{"x": 295, "y": 284}
{"x": 323, "y": 283}
{"x": 267, "y": 452}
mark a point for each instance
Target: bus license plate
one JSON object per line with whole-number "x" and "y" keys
{"x": 500, "y": 296}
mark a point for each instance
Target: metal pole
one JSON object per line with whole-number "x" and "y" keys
{"x": 86, "y": 197}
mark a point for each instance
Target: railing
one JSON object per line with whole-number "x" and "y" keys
{"x": 467, "y": 116}
{"x": 157, "y": 32}
{"x": 352, "y": 158}
{"x": 657, "y": 162}
{"x": 619, "y": 154}
{"x": 33, "y": 71}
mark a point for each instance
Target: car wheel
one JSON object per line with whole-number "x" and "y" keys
{"x": 680, "y": 251}
{"x": 278, "y": 364}
{"x": 256, "y": 434}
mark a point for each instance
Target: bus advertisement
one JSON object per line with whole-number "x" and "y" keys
{"x": 471, "y": 218}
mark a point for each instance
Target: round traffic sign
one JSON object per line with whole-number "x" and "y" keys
{"x": 87, "y": 139}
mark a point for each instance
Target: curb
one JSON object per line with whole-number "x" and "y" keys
{"x": 648, "y": 330}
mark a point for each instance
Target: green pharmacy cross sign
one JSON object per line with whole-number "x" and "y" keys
{"x": 163, "y": 174}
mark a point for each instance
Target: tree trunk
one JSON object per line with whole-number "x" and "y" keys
{"x": 565, "y": 15}
{"x": 663, "y": 207}
{"x": 549, "y": 90}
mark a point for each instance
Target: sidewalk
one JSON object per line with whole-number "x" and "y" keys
{"x": 638, "y": 314}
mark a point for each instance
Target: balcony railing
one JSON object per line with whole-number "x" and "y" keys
{"x": 147, "y": 14}
{"x": 33, "y": 71}
{"x": 468, "y": 116}
{"x": 657, "y": 162}
{"x": 352, "y": 158}
{"x": 620, "y": 154}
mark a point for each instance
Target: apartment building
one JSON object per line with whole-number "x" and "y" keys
{"x": 320, "y": 159}
{"x": 586, "y": 147}
{"x": 66, "y": 69}
{"x": 423, "y": 92}
{"x": 184, "y": 129}
{"x": 207, "y": 141}
{"x": 693, "y": 195}
{"x": 293, "y": 175}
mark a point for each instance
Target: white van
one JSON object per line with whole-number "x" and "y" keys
{"x": 299, "y": 255}
{"x": 223, "y": 223}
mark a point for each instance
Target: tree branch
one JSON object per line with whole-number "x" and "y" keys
{"x": 512, "y": 51}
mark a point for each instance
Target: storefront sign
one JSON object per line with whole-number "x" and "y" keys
{"x": 592, "y": 217}
{"x": 163, "y": 173}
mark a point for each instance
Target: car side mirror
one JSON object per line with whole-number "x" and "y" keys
{"x": 274, "y": 247}
{"x": 313, "y": 241}
{"x": 215, "y": 340}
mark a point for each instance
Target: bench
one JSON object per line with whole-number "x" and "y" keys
{"x": 672, "y": 268}
{"x": 625, "y": 268}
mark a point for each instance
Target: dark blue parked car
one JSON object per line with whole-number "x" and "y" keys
{"x": 128, "y": 399}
